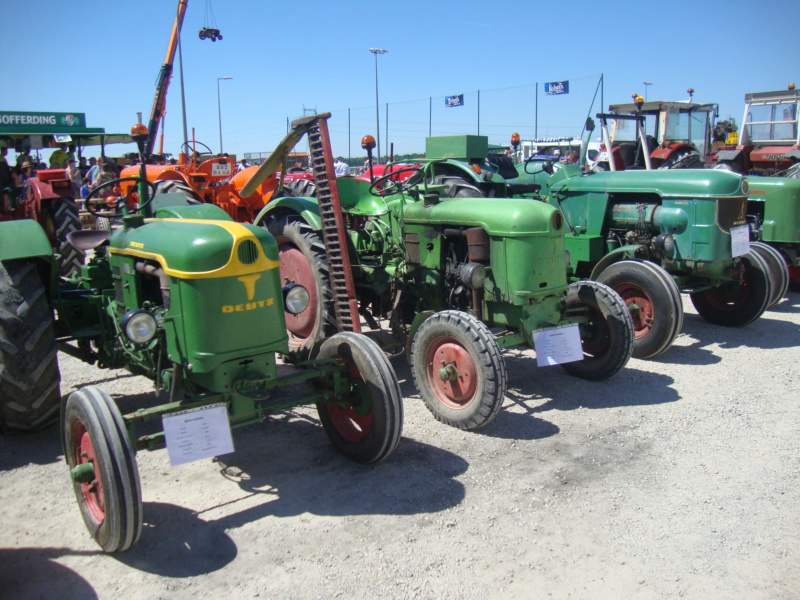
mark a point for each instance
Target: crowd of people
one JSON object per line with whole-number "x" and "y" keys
{"x": 84, "y": 174}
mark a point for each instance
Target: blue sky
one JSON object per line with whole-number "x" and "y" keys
{"x": 102, "y": 59}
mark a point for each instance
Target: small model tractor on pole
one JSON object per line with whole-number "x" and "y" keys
{"x": 453, "y": 276}
{"x": 183, "y": 295}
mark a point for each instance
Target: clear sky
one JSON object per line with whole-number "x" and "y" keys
{"x": 102, "y": 59}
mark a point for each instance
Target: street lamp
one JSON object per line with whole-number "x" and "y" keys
{"x": 219, "y": 112}
{"x": 377, "y": 51}
{"x": 646, "y": 85}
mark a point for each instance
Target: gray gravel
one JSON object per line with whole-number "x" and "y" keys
{"x": 677, "y": 478}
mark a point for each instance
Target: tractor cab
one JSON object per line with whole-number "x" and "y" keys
{"x": 671, "y": 132}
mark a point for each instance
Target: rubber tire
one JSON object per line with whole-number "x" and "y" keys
{"x": 300, "y": 188}
{"x": 794, "y": 278}
{"x": 178, "y": 187}
{"x": 29, "y": 378}
{"x": 64, "y": 213}
{"x": 367, "y": 363}
{"x": 778, "y": 269}
{"x": 121, "y": 492}
{"x": 684, "y": 160}
{"x": 742, "y": 306}
{"x": 292, "y": 232}
{"x": 457, "y": 187}
{"x": 641, "y": 279}
{"x": 478, "y": 342}
{"x": 611, "y": 321}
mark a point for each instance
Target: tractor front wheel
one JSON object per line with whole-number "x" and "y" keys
{"x": 29, "y": 377}
{"x": 103, "y": 468}
{"x": 367, "y": 423}
{"x": 607, "y": 332}
{"x": 303, "y": 261}
{"x": 458, "y": 369}
{"x": 778, "y": 270}
{"x": 65, "y": 219}
{"x": 653, "y": 300}
{"x": 735, "y": 304}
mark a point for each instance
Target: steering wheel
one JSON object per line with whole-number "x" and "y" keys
{"x": 102, "y": 207}
{"x": 191, "y": 150}
{"x": 393, "y": 186}
{"x": 546, "y": 165}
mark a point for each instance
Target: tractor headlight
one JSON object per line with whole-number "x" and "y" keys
{"x": 665, "y": 244}
{"x": 473, "y": 275}
{"x": 295, "y": 298}
{"x": 139, "y": 326}
{"x": 746, "y": 187}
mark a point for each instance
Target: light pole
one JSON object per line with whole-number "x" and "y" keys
{"x": 377, "y": 51}
{"x": 647, "y": 84}
{"x": 219, "y": 112}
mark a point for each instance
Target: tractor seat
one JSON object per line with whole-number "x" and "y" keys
{"x": 88, "y": 239}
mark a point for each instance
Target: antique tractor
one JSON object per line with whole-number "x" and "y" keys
{"x": 449, "y": 279}
{"x": 187, "y": 297}
{"x": 649, "y": 235}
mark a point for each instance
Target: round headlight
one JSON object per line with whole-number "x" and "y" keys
{"x": 295, "y": 298}
{"x": 665, "y": 244}
{"x": 745, "y": 187}
{"x": 139, "y": 326}
{"x": 473, "y": 275}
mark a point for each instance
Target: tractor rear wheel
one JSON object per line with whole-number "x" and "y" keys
{"x": 65, "y": 219}
{"x": 654, "y": 304}
{"x": 300, "y": 188}
{"x": 29, "y": 377}
{"x": 367, "y": 424}
{"x": 458, "y": 369}
{"x": 607, "y": 334}
{"x": 778, "y": 270}
{"x": 734, "y": 304}
{"x": 178, "y": 187}
{"x": 103, "y": 467}
{"x": 303, "y": 261}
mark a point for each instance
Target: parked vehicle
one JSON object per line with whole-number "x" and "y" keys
{"x": 181, "y": 294}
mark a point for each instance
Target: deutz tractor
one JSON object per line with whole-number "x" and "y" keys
{"x": 450, "y": 280}
{"x": 647, "y": 234}
{"x": 187, "y": 297}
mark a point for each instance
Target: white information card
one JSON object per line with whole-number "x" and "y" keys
{"x": 740, "y": 240}
{"x": 558, "y": 345}
{"x": 197, "y": 433}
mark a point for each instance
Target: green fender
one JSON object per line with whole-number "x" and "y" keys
{"x": 625, "y": 252}
{"x": 305, "y": 207}
{"x": 24, "y": 239}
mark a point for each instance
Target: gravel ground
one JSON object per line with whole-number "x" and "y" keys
{"x": 676, "y": 478}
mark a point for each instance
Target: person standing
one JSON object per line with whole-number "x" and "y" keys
{"x": 95, "y": 168}
{"x": 74, "y": 176}
{"x": 58, "y": 158}
{"x": 341, "y": 168}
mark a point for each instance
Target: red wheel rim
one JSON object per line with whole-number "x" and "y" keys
{"x": 794, "y": 274}
{"x": 451, "y": 373}
{"x": 295, "y": 269}
{"x": 83, "y": 452}
{"x": 352, "y": 426}
{"x": 644, "y": 314}
{"x": 723, "y": 299}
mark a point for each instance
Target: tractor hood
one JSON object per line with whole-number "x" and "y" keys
{"x": 199, "y": 249}
{"x": 510, "y": 217}
{"x": 693, "y": 183}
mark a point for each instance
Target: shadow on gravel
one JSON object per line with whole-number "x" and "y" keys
{"x": 764, "y": 333}
{"x": 287, "y": 468}
{"x": 33, "y": 573}
{"x": 40, "y": 448}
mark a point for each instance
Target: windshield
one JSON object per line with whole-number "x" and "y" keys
{"x": 687, "y": 127}
{"x": 775, "y": 122}
{"x": 624, "y": 130}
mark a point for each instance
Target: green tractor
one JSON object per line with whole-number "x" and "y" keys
{"x": 192, "y": 300}
{"x": 647, "y": 234}
{"x": 449, "y": 279}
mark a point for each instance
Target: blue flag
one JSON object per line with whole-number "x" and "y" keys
{"x": 556, "y": 87}
{"x": 454, "y": 100}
